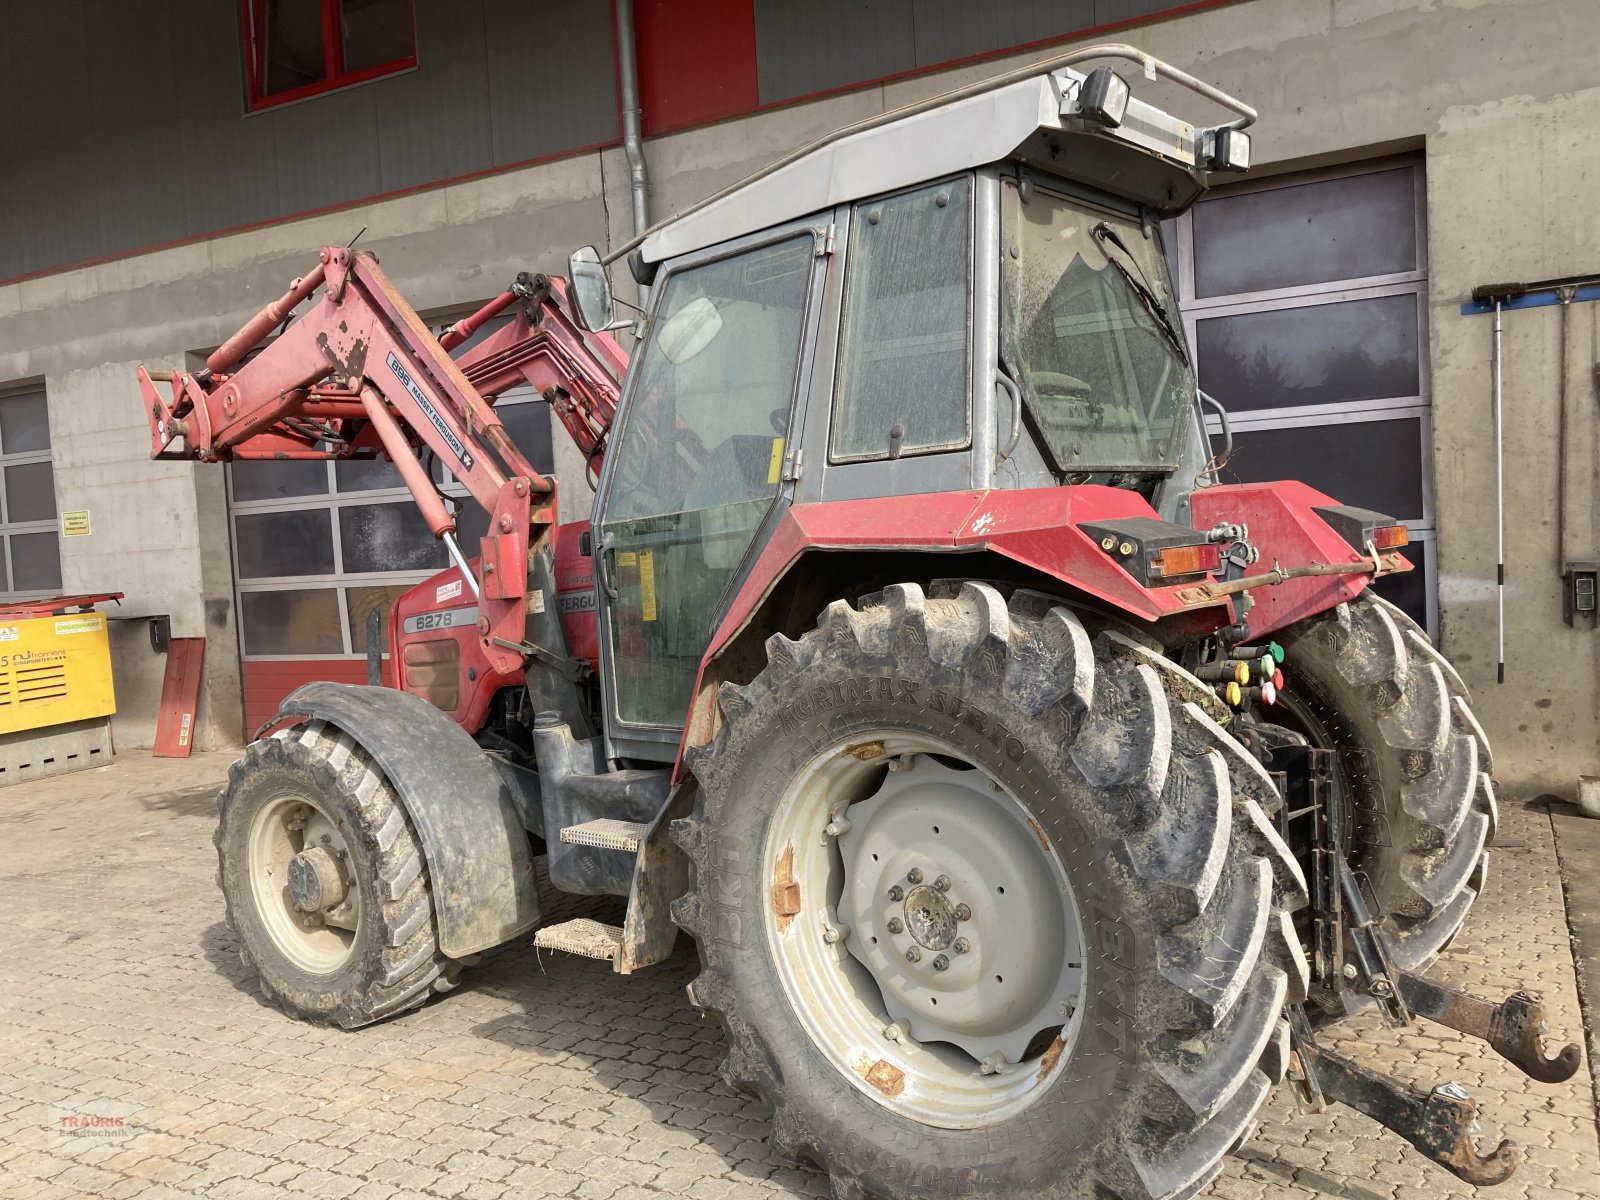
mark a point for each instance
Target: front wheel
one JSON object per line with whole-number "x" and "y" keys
{"x": 984, "y": 911}
{"x": 325, "y": 882}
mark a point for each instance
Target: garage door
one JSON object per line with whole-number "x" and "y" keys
{"x": 1304, "y": 297}
{"x": 318, "y": 546}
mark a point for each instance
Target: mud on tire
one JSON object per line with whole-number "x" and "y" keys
{"x": 394, "y": 962}
{"x": 1414, "y": 758}
{"x": 1161, "y": 823}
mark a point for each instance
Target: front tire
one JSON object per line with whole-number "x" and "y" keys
{"x": 1148, "y": 937}
{"x": 324, "y": 881}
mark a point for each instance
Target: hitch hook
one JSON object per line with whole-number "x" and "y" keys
{"x": 1439, "y": 1124}
{"x": 1514, "y": 1027}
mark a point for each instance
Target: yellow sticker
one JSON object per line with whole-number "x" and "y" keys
{"x": 647, "y": 584}
{"x": 627, "y": 558}
{"x": 75, "y": 524}
{"x": 775, "y": 463}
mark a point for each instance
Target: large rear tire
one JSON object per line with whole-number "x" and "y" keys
{"x": 1113, "y": 1022}
{"x": 324, "y": 881}
{"x": 1413, "y": 759}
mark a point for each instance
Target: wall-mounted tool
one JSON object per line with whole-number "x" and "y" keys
{"x": 1498, "y": 294}
{"x": 1578, "y": 578}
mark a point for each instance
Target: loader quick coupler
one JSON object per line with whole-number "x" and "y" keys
{"x": 1353, "y": 963}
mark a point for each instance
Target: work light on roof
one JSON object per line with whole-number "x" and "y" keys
{"x": 1103, "y": 98}
{"x": 1227, "y": 150}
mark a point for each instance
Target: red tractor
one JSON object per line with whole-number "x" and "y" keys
{"x": 1033, "y": 796}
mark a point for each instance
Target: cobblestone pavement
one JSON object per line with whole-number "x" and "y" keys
{"x": 121, "y": 993}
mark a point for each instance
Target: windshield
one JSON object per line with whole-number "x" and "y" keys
{"x": 1091, "y": 334}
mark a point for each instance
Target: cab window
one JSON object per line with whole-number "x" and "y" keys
{"x": 905, "y": 355}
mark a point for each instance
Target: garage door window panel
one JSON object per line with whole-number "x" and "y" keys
{"x": 1338, "y": 353}
{"x": 1326, "y": 231}
{"x": 292, "y": 622}
{"x": 1373, "y": 460}
{"x": 388, "y": 537}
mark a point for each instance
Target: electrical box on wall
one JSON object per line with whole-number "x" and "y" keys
{"x": 1580, "y": 592}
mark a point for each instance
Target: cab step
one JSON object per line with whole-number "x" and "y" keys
{"x": 582, "y": 936}
{"x": 607, "y": 834}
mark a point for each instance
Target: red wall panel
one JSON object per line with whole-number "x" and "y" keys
{"x": 265, "y": 684}
{"x": 697, "y": 61}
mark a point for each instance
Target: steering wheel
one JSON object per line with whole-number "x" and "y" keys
{"x": 780, "y": 421}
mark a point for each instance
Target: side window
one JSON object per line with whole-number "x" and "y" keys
{"x": 905, "y": 354}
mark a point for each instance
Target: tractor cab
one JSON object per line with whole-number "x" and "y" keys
{"x": 974, "y": 297}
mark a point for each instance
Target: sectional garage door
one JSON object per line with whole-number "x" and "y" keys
{"x": 1305, "y": 299}
{"x": 318, "y": 546}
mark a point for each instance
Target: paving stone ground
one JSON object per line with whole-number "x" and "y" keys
{"x": 121, "y": 994}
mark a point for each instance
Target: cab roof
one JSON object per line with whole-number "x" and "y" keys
{"x": 1151, "y": 159}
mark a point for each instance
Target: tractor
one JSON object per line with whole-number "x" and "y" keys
{"x": 1034, "y": 796}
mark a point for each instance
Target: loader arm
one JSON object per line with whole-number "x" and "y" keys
{"x": 359, "y": 375}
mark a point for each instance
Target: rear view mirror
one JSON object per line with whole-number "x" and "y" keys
{"x": 590, "y": 289}
{"x": 689, "y": 330}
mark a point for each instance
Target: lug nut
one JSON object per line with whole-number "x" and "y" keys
{"x": 914, "y": 875}
{"x": 940, "y": 963}
{"x": 942, "y": 883}
{"x": 897, "y": 893}
{"x": 961, "y": 945}
{"x": 834, "y": 934}
{"x": 913, "y": 955}
{"x": 963, "y": 913}
{"x": 895, "y": 925}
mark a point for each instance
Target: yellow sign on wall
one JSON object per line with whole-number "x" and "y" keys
{"x": 54, "y": 670}
{"x": 75, "y": 524}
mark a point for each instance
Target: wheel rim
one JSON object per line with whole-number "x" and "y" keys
{"x": 303, "y": 884}
{"x": 942, "y": 972}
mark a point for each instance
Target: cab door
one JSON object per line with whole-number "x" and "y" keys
{"x": 696, "y": 466}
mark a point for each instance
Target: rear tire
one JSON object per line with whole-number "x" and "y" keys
{"x": 1156, "y": 819}
{"x": 375, "y": 952}
{"x": 1414, "y": 760}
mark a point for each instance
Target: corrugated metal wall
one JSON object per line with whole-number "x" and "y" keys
{"x": 125, "y": 123}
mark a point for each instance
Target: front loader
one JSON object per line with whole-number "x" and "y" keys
{"x": 1034, "y": 796}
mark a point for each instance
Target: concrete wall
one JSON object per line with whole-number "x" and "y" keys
{"x": 1504, "y": 95}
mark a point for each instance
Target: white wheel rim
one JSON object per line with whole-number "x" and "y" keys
{"x": 958, "y": 1043}
{"x": 318, "y": 942}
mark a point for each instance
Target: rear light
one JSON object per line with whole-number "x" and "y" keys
{"x": 1199, "y": 559}
{"x": 1391, "y": 537}
{"x": 1363, "y": 528}
{"x": 1156, "y": 553}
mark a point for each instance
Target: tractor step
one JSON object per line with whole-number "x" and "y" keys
{"x": 582, "y": 936}
{"x": 607, "y": 834}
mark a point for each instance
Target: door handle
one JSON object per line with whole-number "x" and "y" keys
{"x": 602, "y": 562}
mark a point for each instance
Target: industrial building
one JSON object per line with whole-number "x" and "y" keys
{"x": 184, "y": 161}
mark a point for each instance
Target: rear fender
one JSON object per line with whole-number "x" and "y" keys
{"x": 1287, "y": 530}
{"x": 479, "y": 864}
{"x": 1034, "y": 533}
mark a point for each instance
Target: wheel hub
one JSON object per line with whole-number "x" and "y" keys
{"x": 302, "y": 883}
{"x": 315, "y": 881}
{"x": 958, "y": 907}
{"x": 930, "y": 919}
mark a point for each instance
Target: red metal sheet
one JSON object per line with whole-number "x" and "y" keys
{"x": 180, "y": 696}
{"x": 22, "y": 610}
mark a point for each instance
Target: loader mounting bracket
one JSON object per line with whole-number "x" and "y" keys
{"x": 1439, "y": 1123}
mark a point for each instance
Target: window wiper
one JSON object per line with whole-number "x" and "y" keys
{"x": 1103, "y": 233}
